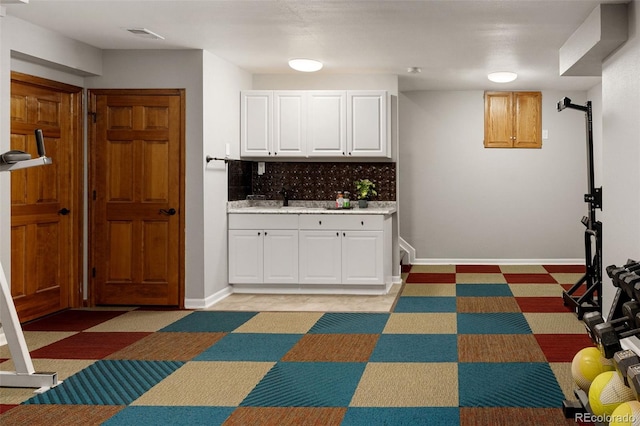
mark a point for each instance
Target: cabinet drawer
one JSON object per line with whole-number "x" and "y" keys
{"x": 263, "y": 221}
{"x": 342, "y": 222}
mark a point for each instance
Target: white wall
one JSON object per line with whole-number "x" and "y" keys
{"x": 175, "y": 69}
{"x": 621, "y": 153}
{"x": 461, "y": 202}
{"x": 222, "y": 83}
{"x": 321, "y": 81}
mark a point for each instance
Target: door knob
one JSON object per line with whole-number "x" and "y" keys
{"x": 64, "y": 211}
{"x": 169, "y": 212}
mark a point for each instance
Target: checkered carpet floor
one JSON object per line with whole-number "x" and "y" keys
{"x": 470, "y": 345}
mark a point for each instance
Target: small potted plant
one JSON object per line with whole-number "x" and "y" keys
{"x": 364, "y": 190}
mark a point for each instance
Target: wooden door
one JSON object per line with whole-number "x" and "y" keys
{"x": 46, "y": 202}
{"x": 137, "y": 210}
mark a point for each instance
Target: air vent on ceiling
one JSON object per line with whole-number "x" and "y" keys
{"x": 145, "y": 33}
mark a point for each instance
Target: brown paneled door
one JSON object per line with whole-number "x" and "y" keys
{"x": 46, "y": 202}
{"x": 136, "y": 239}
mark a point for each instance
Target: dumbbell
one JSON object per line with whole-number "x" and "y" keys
{"x": 607, "y": 335}
{"x": 622, "y": 360}
{"x": 633, "y": 378}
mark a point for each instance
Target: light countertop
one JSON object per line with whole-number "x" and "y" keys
{"x": 306, "y": 207}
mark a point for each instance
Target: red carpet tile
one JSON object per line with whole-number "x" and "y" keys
{"x": 333, "y": 348}
{"x": 562, "y": 347}
{"x": 60, "y": 415}
{"x": 579, "y": 291}
{"x": 530, "y": 279}
{"x": 482, "y": 416}
{"x": 88, "y": 345}
{"x": 478, "y": 269}
{"x": 6, "y": 407}
{"x": 431, "y": 278}
{"x": 71, "y": 320}
{"x": 542, "y": 304}
{"x": 565, "y": 269}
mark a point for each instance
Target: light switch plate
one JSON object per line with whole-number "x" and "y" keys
{"x": 545, "y": 134}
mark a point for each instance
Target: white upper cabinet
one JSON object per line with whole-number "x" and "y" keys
{"x": 327, "y": 123}
{"x": 316, "y": 123}
{"x": 256, "y": 132}
{"x": 289, "y": 123}
{"x": 367, "y": 124}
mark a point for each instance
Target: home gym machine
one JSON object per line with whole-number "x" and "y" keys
{"x": 591, "y": 299}
{"x": 25, "y": 375}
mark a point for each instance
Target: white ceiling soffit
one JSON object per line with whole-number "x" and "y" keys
{"x": 600, "y": 34}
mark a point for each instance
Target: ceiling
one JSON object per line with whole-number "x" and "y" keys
{"x": 455, "y": 42}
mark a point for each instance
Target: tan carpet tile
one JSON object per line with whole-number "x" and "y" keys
{"x": 480, "y": 279}
{"x": 280, "y": 322}
{"x": 554, "y": 323}
{"x": 434, "y": 269}
{"x": 499, "y": 348}
{"x": 141, "y": 321}
{"x": 278, "y": 416}
{"x": 333, "y": 348}
{"x": 523, "y": 269}
{"x": 433, "y": 290}
{"x": 536, "y": 290}
{"x": 486, "y": 304}
{"x": 59, "y": 415}
{"x": 168, "y": 346}
{"x": 218, "y": 383}
{"x": 407, "y": 385}
{"x": 564, "y": 278}
{"x": 508, "y": 416}
{"x": 562, "y": 371}
{"x": 421, "y": 323}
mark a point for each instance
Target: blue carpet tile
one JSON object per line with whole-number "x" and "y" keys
{"x": 481, "y": 357}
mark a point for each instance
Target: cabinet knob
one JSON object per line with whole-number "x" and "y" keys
{"x": 362, "y": 222}
{"x": 349, "y": 153}
{"x": 319, "y": 222}
{"x": 337, "y": 234}
{"x": 259, "y": 233}
{"x": 265, "y": 233}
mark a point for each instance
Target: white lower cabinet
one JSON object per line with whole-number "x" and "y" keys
{"x": 309, "y": 250}
{"x": 320, "y": 257}
{"x": 263, "y": 249}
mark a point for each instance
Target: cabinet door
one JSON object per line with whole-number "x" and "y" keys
{"x": 320, "y": 257}
{"x": 245, "y": 256}
{"x": 327, "y": 134}
{"x": 256, "y": 131}
{"x": 281, "y": 256}
{"x": 527, "y": 119}
{"x": 498, "y": 122}
{"x": 290, "y": 123}
{"x": 362, "y": 257}
{"x": 367, "y": 124}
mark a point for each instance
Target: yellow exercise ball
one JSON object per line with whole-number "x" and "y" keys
{"x": 587, "y": 364}
{"x": 627, "y": 414}
{"x": 607, "y": 392}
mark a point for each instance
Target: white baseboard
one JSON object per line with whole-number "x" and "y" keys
{"x": 411, "y": 252}
{"x": 209, "y": 301}
{"x": 497, "y": 261}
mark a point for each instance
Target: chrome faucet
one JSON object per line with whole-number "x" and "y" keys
{"x": 285, "y": 196}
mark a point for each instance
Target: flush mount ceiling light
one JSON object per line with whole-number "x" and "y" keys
{"x": 414, "y": 70}
{"x": 145, "y": 33}
{"x": 502, "y": 76}
{"x": 305, "y": 65}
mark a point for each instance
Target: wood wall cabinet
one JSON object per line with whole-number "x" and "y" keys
{"x": 513, "y": 119}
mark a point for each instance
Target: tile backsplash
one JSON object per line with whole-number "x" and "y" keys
{"x": 309, "y": 181}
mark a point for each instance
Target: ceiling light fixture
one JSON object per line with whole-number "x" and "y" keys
{"x": 414, "y": 70}
{"x": 305, "y": 65}
{"x": 502, "y": 76}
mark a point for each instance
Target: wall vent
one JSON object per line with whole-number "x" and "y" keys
{"x": 145, "y": 33}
